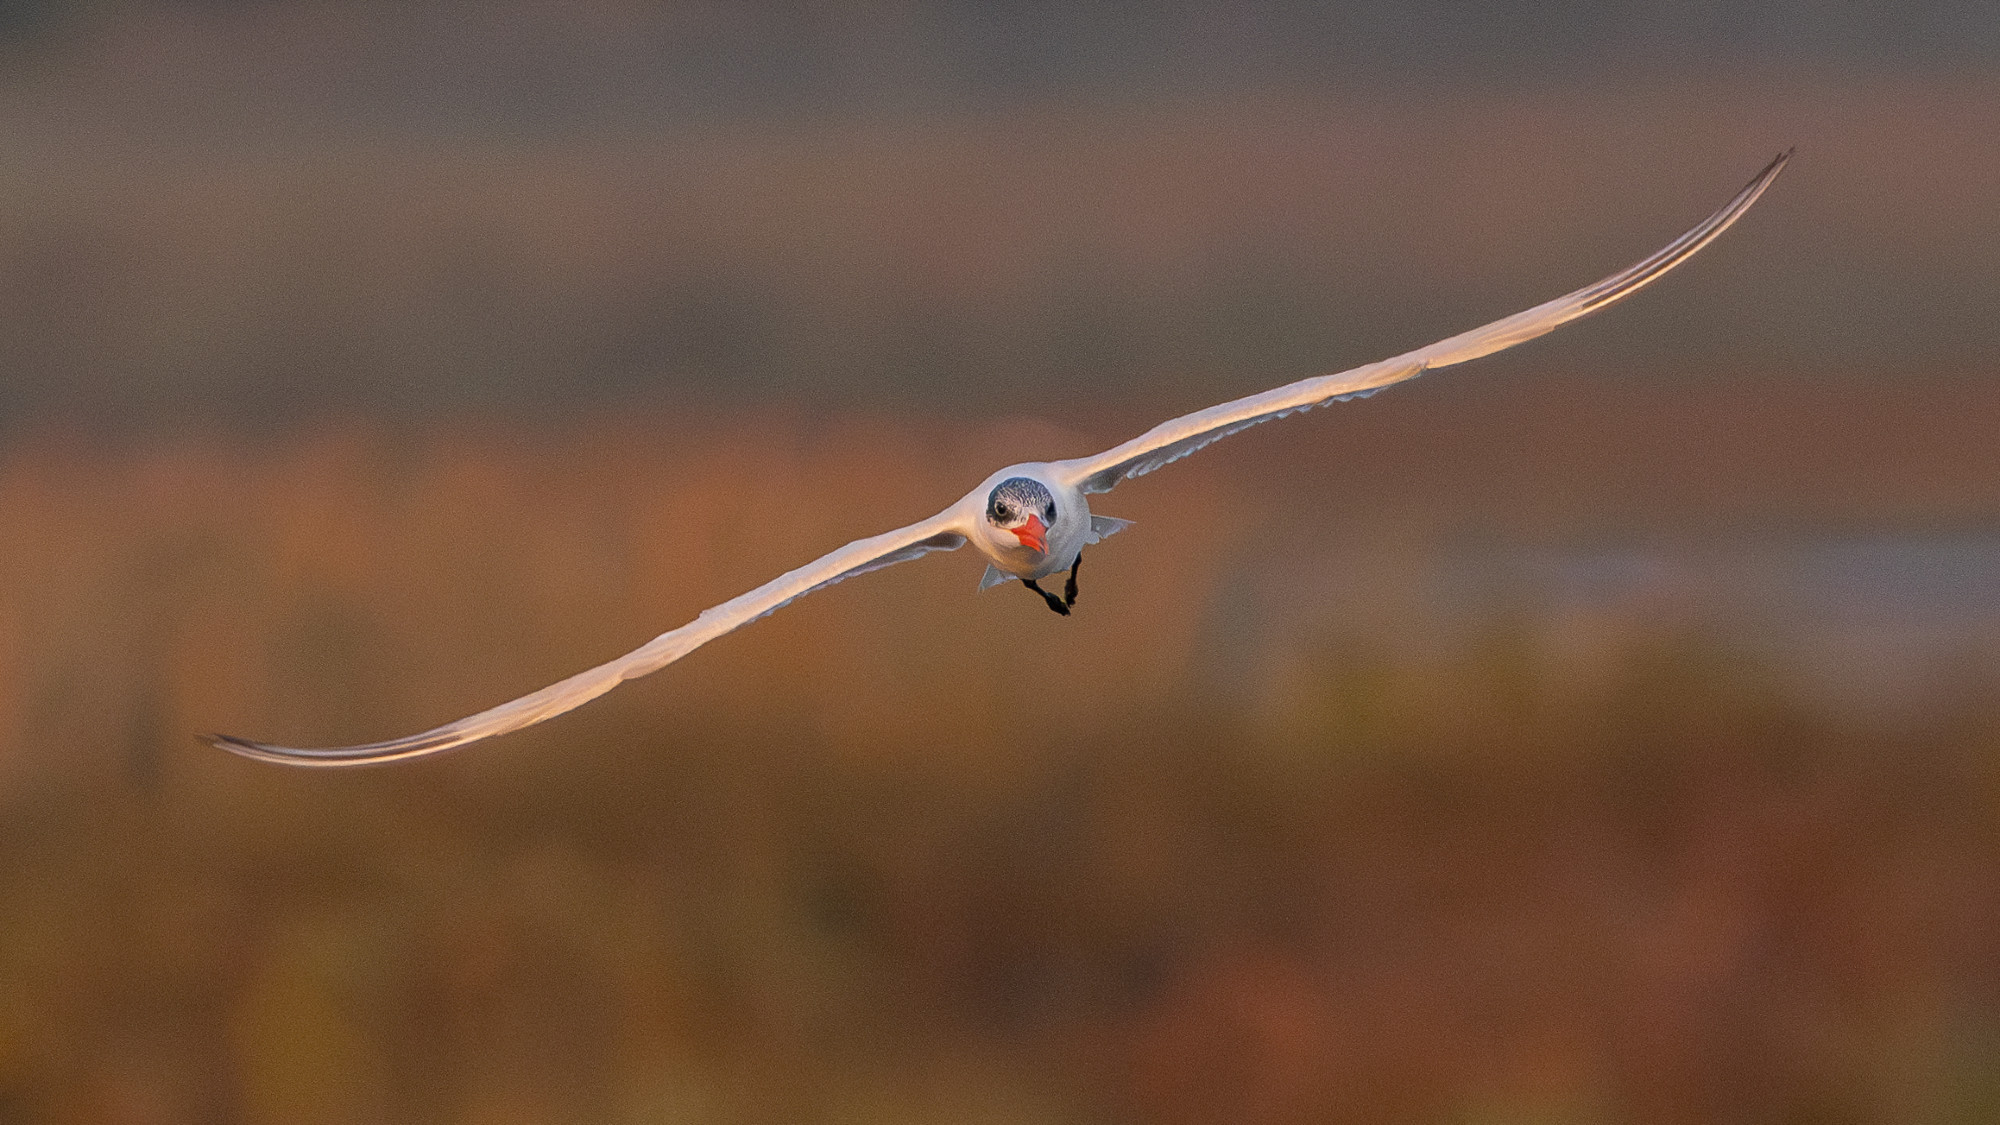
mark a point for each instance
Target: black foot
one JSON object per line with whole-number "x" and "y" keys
{"x": 1055, "y": 603}
{"x": 1069, "y": 587}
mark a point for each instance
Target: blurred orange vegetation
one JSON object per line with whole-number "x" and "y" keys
{"x": 904, "y": 853}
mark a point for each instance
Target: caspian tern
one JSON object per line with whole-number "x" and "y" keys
{"x": 1032, "y": 520}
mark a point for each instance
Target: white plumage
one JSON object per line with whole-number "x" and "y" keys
{"x": 1019, "y": 543}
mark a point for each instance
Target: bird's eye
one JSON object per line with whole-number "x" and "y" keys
{"x": 1002, "y": 513}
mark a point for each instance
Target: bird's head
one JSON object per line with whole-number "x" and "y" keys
{"x": 1023, "y": 508}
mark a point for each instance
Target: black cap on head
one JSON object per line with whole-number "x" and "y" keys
{"x": 1017, "y": 498}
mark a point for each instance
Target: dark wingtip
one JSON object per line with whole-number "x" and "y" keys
{"x": 1772, "y": 169}
{"x": 240, "y": 746}
{"x": 282, "y": 755}
{"x": 368, "y": 754}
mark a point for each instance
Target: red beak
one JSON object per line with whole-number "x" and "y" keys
{"x": 1032, "y": 534}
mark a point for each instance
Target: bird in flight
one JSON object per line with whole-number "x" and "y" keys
{"x": 1032, "y": 520}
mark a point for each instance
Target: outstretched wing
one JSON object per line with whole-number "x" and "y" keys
{"x": 1171, "y": 441}
{"x": 941, "y": 532}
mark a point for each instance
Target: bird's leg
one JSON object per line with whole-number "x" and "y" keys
{"x": 1069, "y": 587}
{"x": 1055, "y": 603}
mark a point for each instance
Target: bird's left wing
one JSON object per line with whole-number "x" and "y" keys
{"x": 942, "y": 532}
{"x": 1171, "y": 441}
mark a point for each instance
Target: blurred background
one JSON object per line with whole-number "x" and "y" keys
{"x": 1605, "y": 732}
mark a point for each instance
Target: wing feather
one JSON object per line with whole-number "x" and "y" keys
{"x": 939, "y": 533}
{"x": 1159, "y": 446}
{"x": 1171, "y": 441}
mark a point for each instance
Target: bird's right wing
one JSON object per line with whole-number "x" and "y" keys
{"x": 942, "y": 532}
{"x": 1171, "y": 441}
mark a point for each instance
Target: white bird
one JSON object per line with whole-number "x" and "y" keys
{"x": 1032, "y": 520}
